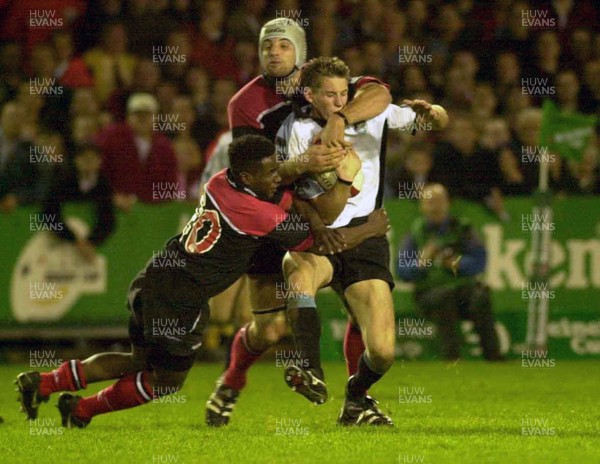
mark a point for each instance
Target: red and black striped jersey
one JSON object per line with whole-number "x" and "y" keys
{"x": 228, "y": 226}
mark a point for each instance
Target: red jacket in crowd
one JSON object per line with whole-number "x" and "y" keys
{"x": 127, "y": 173}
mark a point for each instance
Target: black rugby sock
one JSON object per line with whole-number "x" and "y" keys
{"x": 306, "y": 328}
{"x": 365, "y": 377}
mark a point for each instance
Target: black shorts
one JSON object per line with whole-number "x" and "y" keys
{"x": 167, "y": 318}
{"x": 369, "y": 260}
{"x": 267, "y": 260}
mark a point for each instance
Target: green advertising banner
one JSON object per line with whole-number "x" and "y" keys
{"x": 46, "y": 284}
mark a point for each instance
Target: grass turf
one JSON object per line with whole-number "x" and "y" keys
{"x": 468, "y": 412}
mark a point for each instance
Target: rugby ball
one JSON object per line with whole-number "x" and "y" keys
{"x": 328, "y": 179}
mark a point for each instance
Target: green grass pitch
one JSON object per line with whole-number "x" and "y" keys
{"x": 462, "y": 413}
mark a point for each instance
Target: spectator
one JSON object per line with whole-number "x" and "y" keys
{"x": 546, "y": 62}
{"x": 570, "y": 15}
{"x": 355, "y": 60}
{"x": 178, "y": 60}
{"x": 54, "y": 97}
{"x": 70, "y": 70}
{"x": 97, "y": 15}
{"x": 246, "y": 60}
{"x": 216, "y": 121}
{"x": 147, "y": 23}
{"x": 567, "y": 92}
{"x": 443, "y": 257}
{"x": 111, "y": 64}
{"x": 84, "y": 103}
{"x": 197, "y": 83}
{"x": 580, "y": 50}
{"x": 186, "y": 118}
{"x": 246, "y": 21}
{"x": 585, "y": 174}
{"x": 329, "y": 31}
{"x": 591, "y": 89}
{"x": 508, "y": 75}
{"x": 372, "y": 51}
{"x": 137, "y": 160}
{"x": 189, "y": 167}
{"x": 413, "y": 80}
{"x": 17, "y": 175}
{"x": 413, "y": 175}
{"x": 417, "y": 14}
{"x": 531, "y": 154}
{"x": 514, "y": 36}
{"x": 11, "y": 70}
{"x": 81, "y": 182}
{"x": 31, "y": 103}
{"x": 212, "y": 48}
{"x": 146, "y": 79}
{"x": 166, "y": 92}
{"x": 459, "y": 90}
{"x": 465, "y": 168}
{"x": 369, "y": 21}
{"x": 84, "y": 130}
{"x": 451, "y": 33}
{"x": 484, "y": 104}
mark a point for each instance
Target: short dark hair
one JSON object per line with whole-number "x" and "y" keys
{"x": 247, "y": 151}
{"x": 323, "y": 67}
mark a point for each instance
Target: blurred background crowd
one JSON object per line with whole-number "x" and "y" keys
{"x": 65, "y": 88}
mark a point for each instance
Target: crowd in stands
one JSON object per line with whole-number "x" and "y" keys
{"x": 148, "y": 82}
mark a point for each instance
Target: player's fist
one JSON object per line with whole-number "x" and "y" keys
{"x": 428, "y": 113}
{"x": 349, "y": 167}
{"x": 319, "y": 158}
{"x": 379, "y": 221}
{"x": 440, "y": 117}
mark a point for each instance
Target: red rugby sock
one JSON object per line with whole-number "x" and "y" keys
{"x": 130, "y": 391}
{"x": 353, "y": 347}
{"x": 69, "y": 376}
{"x": 242, "y": 358}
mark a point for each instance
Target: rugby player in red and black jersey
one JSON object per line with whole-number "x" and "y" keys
{"x": 260, "y": 107}
{"x": 242, "y": 208}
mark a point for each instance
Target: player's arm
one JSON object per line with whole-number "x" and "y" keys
{"x": 429, "y": 114}
{"x": 293, "y": 233}
{"x": 315, "y": 159}
{"x": 330, "y": 239}
{"x": 330, "y": 204}
{"x": 371, "y": 99}
{"x": 377, "y": 225}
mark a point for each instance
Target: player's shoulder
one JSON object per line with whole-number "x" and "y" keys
{"x": 242, "y": 210}
{"x": 253, "y": 95}
{"x": 302, "y": 122}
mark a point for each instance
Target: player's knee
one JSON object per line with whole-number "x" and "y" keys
{"x": 273, "y": 332}
{"x": 266, "y": 332}
{"x": 381, "y": 356}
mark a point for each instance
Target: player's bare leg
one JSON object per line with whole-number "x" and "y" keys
{"x": 250, "y": 342}
{"x": 372, "y": 306}
{"x": 36, "y": 387}
{"x": 305, "y": 274}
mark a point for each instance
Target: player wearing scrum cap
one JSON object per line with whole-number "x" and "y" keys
{"x": 259, "y": 108}
{"x": 363, "y": 273}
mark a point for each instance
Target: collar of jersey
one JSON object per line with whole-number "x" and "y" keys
{"x": 235, "y": 185}
{"x": 244, "y": 189}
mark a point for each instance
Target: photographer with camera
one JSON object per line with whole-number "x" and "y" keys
{"x": 443, "y": 257}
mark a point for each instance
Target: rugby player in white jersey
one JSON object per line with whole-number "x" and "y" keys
{"x": 362, "y": 273}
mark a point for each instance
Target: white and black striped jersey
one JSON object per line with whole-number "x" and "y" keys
{"x": 369, "y": 139}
